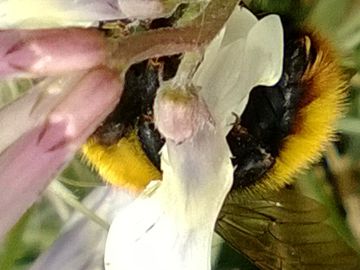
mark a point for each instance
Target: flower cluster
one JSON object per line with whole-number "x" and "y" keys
{"x": 171, "y": 227}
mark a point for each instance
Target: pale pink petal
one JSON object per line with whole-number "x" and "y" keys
{"x": 33, "y": 107}
{"x": 82, "y": 242}
{"x": 48, "y": 52}
{"x": 28, "y": 164}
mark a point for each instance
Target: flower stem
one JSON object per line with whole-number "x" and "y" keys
{"x": 128, "y": 50}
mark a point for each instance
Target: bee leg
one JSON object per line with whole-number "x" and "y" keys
{"x": 250, "y": 159}
{"x": 151, "y": 141}
{"x": 157, "y": 64}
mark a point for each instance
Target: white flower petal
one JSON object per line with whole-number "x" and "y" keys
{"x": 81, "y": 244}
{"x": 209, "y": 57}
{"x": 264, "y": 52}
{"x": 254, "y": 58}
{"x": 173, "y": 229}
{"x": 239, "y": 25}
{"x": 221, "y": 78}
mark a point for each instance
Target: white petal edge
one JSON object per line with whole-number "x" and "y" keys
{"x": 262, "y": 65}
{"x": 82, "y": 241}
{"x": 236, "y": 28}
{"x": 264, "y": 51}
{"x": 238, "y": 25}
{"x": 241, "y": 65}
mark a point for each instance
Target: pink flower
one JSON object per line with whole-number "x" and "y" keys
{"x": 43, "y": 129}
{"x": 48, "y": 52}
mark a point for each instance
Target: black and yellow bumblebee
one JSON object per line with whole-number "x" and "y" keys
{"x": 283, "y": 129}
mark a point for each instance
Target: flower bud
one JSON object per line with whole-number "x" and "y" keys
{"x": 50, "y": 51}
{"x": 180, "y": 112}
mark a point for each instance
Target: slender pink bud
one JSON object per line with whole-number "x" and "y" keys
{"x": 50, "y": 51}
{"x": 179, "y": 113}
{"x": 29, "y": 163}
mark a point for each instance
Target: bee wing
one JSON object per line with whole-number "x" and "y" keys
{"x": 284, "y": 230}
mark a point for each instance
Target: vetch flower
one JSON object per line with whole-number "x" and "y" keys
{"x": 55, "y": 118}
{"x": 172, "y": 228}
{"x": 35, "y": 53}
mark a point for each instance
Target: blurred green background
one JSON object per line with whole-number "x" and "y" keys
{"x": 337, "y": 186}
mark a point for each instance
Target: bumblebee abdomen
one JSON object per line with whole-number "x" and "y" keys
{"x": 122, "y": 164}
{"x": 294, "y": 119}
{"x": 282, "y": 130}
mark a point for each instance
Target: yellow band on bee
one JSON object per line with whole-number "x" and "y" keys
{"x": 122, "y": 164}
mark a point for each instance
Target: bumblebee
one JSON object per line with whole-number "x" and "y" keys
{"x": 283, "y": 129}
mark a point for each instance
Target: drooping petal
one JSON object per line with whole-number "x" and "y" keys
{"x": 173, "y": 229}
{"x": 29, "y": 163}
{"x": 48, "y": 52}
{"x": 82, "y": 241}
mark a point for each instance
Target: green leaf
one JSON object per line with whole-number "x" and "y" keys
{"x": 13, "y": 246}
